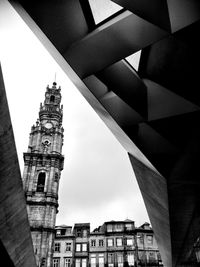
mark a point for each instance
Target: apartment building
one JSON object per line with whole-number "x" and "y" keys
{"x": 146, "y": 246}
{"x": 97, "y": 248}
{"x": 63, "y": 246}
{"x": 81, "y": 250}
{"x": 113, "y": 244}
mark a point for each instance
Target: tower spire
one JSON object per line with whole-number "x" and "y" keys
{"x": 43, "y": 163}
{"x": 55, "y": 78}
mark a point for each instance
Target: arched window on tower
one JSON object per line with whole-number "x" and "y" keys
{"x": 52, "y": 98}
{"x": 41, "y": 182}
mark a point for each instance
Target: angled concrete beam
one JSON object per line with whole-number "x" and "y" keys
{"x": 173, "y": 62}
{"x": 115, "y": 40}
{"x": 15, "y": 234}
{"x": 123, "y": 80}
{"x": 122, "y": 113}
{"x": 169, "y": 104}
{"x": 63, "y": 23}
{"x": 183, "y": 13}
{"x": 154, "y": 191}
{"x": 156, "y": 13}
{"x": 171, "y": 15}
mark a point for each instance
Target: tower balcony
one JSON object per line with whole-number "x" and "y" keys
{"x": 51, "y": 108}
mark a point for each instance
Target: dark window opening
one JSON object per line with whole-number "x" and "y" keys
{"x": 52, "y": 98}
{"x": 41, "y": 182}
{"x": 79, "y": 233}
{"x": 56, "y": 177}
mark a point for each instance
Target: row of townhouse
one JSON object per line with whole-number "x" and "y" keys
{"x": 114, "y": 244}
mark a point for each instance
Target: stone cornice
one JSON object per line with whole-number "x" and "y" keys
{"x": 42, "y": 229}
{"x": 42, "y": 203}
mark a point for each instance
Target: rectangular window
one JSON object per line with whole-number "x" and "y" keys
{"x": 159, "y": 256}
{"x": 110, "y": 260}
{"x": 120, "y": 260}
{"x": 84, "y": 247}
{"x": 68, "y": 230}
{"x": 57, "y": 247}
{"x": 118, "y": 227}
{"x": 129, "y": 242}
{"x": 109, "y": 228}
{"x": 56, "y": 262}
{"x": 130, "y": 259}
{"x": 58, "y": 232}
{"x": 128, "y": 226}
{"x": 101, "y": 260}
{"x": 149, "y": 239}
{"x": 78, "y": 263}
{"x": 93, "y": 260}
{"x": 68, "y": 246}
{"x": 140, "y": 238}
{"x": 79, "y": 233}
{"x": 101, "y": 243}
{"x": 78, "y": 247}
{"x": 110, "y": 242}
{"x": 84, "y": 262}
{"x": 119, "y": 242}
{"x": 84, "y": 233}
{"x": 93, "y": 243}
{"x": 67, "y": 262}
{"x": 142, "y": 254}
{"x": 63, "y": 231}
{"x": 152, "y": 256}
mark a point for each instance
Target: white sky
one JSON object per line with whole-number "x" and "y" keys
{"x": 97, "y": 183}
{"x": 102, "y": 9}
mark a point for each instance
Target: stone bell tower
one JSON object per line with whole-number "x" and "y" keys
{"x": 43, "y": 163}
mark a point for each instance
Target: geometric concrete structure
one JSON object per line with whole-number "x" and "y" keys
{"x": 152, "y": 111}
{"x": 16, "y": 247}
{"x": 43, "y": 163}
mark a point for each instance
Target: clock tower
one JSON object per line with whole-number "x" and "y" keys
{"x": 43, "y": 163}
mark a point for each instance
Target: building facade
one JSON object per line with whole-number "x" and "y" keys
{"x": 43, "y": 163}
{"x": 120, "y": 244}
{"x": 97, "y": 248}
{"x": 64, "y": 246}
{"x": 146, "y": 246}
{"x": 114, "y": 244}
{"x": 81, "y": 254}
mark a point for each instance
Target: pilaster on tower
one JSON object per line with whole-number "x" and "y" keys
{"x": 43, "y": 165}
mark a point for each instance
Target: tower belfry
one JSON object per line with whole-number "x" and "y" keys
{"x": 43, "y": 163}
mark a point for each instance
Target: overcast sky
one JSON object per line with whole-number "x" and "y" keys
{"x": 97, "y": 183}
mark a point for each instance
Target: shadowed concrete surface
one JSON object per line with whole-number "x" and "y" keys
{"x": 154, "y": 112}
{"x": 15, "y": 239}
